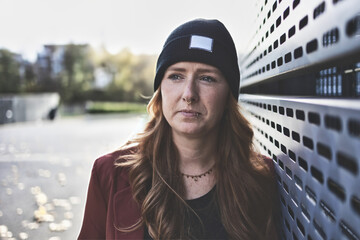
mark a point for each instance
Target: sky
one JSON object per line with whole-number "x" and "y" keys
{"x": 140, "y": 25}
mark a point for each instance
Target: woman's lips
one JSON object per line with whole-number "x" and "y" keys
{"x": 190, "y": 113}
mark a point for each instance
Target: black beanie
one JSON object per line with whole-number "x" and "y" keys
{"x": 204, "y": 41}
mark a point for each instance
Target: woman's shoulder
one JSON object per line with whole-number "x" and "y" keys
{"x": 104, "y": 167}
{"x": 108, "y": 160}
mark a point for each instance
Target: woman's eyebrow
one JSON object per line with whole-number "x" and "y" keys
{"x": 177, "y": 69}
{"x": 208, "y": 70}
{"x": 199, "y": 70}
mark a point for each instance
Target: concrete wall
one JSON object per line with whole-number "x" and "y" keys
{"x": 29, "y": 107}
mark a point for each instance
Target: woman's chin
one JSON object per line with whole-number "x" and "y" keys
{"x": 191, "y": 131}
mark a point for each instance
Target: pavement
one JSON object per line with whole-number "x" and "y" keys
{"x": 45, "y": 169}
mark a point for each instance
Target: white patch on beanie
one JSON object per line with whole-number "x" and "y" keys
{"x": 200, "y": 42}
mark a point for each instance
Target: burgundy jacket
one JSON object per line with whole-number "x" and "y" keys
{"x": 110, "y": 204}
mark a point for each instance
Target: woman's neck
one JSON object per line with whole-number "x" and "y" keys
{"x": 197, "y": 155}
{"x": 197, "y": 158}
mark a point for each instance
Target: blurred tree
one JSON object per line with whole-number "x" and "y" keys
{"x": 144, "y": 72}
{"x": 30, "y": 78}
{"x": 9, "y": 72}
{"x": 77, "y": 76}
{"x": 131, "y": 75}
{"x": 73, "y": 71}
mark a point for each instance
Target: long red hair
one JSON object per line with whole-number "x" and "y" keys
{"x": 244, "y": 188}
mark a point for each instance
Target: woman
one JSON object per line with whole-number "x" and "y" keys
{"x": 193, "y": 172}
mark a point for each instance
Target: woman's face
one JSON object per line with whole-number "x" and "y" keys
{"x": 194, "y": 96}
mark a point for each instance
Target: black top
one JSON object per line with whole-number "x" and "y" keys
{"x": 207, "y": 210}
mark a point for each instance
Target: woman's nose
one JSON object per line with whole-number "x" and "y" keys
{"x": 190, "y": 91}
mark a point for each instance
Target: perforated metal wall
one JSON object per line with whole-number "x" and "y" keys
{"x": 321, "y": 37}
{"x": 315, "y": 147}
{"x": 300, "y": 89}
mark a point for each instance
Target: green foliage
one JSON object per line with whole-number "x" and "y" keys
{"x": 70, "y": 70}
{"x": 132, "y": 75}
{"x": 77, "y": 76}
{"x": 9, "y": 72}
{"x": 30, "y": 78}
{"x": 115, "y": 107}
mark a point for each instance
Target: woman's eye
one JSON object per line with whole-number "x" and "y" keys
{"x": 208, "y": 79}
{"x": 174, "y": 77}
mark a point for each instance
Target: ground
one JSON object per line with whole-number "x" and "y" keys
{"x": 45, "y": 169}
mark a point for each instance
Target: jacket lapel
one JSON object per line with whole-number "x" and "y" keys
{"x": 126, "y": 211}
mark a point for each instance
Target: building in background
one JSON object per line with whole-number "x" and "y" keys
{"x": 49, "y": 62}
